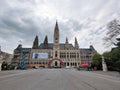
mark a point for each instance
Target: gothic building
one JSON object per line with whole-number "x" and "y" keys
{"x": 54, "y": 54}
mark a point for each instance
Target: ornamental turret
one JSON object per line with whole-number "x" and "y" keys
{"x": 76, "y": 44}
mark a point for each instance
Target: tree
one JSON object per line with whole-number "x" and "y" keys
{"x": 10, "y": 67}
{"x": 118, "y": 43}
{"x": 115, "y": 56}
{"x": 113, "y": 32}
{"x": 112, "y": 37}
{"x": 4, "y": 65}
{"x": 97, "y": 61}
{"x": 108, "y": 60}
{"x": 112, "y": 59}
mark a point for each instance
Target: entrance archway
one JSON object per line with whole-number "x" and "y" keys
{"x": 56, "y": 63}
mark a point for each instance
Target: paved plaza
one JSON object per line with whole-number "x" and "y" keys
{"x": 58, "y": 79}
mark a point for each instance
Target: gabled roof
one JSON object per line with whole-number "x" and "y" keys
{"x": 62, "y": 46}
{"x": 50, "y": 46}
{"x": 85, "y": 50}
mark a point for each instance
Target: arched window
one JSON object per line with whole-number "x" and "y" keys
{"x": 68, "y": 64}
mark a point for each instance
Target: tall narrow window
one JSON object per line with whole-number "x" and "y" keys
{"x": 55, "y": 53}
{"x": 56, "y": 63}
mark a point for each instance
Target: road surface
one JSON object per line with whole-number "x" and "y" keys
{"x": 57, "y": 79}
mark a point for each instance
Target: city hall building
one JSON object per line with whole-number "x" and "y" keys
{"x": 54, "y": 54}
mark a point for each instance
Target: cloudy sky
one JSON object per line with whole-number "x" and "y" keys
{"x": 22, "y": 20}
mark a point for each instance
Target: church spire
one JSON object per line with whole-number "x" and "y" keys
{"x": 56, "y": 46}
{"x": 56, "y": 26}
{"x": 35, "y": 43}
{"x": 45, "y": 42}
{"x": 56, "y": 33}
{"x": 66, "y": 43}
{"x": 76, "y": 43}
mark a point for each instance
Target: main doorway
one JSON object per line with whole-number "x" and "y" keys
{"x": 55, "y": 63}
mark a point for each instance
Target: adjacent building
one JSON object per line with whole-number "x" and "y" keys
{"x": 5, "y": 57}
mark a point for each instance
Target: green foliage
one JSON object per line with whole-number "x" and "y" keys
{"x": 113, "y": 59}
{"x": 4, "y": 65}
{"x": 10, "y": 67}
{"x": 97, "y": 61}
{"x": 115, "y": 56}
{"x": 118, "y": 65}
{"x": 108, "y": 60}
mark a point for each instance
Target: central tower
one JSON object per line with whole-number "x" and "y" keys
{"x": 56, "y": 34}
{"x": 56, "y": 46}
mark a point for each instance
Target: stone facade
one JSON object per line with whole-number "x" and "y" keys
{"x": 5, "y": 57}
{"x": 54, "y": 54}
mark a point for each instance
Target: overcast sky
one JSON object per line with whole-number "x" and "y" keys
{"x": 84, "y": 19}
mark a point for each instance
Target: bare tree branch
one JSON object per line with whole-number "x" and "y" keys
{"x": 113, "y": 31}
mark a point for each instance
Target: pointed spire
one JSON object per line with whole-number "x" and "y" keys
{"x": 45, "y": 42}
{"x": 92, "y": 48}
{"x": 56, "y": 25}
{"x": 35, "y": 43}
{"x": 76, "y": 40}
{"x": 76, "y": 43}
{"x": 56, "y": 33}
{"x": 67, "y": 43}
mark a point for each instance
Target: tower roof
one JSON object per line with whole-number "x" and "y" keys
{"x": 66, "y": 40}
{"x": 35, "y": 43}
{"x": 56, "y": 33}
{"x": 56, "y": 27}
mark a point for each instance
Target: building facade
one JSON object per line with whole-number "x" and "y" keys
{"x": 5, "y": 57}
{"x": 54, "y": 54}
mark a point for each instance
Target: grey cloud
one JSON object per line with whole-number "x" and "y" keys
{"x": 23, "y": 19}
